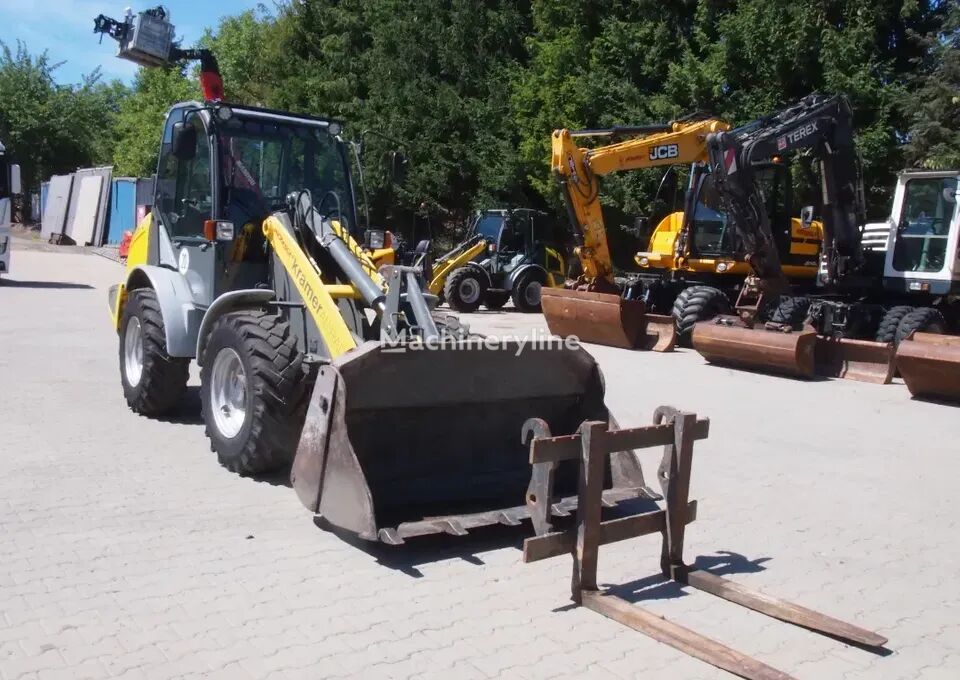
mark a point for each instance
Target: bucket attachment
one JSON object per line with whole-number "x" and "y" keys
{"x": 756, "y": 348}
{"x": 930, "y": 365}
{"x": 400, "y": 441}
{"x": 606, "y": 319}
{"x": 802, "y": 354}
{"x": 862, "y": 360}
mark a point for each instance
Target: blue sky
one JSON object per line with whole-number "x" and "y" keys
{"x": 65, "y": 29}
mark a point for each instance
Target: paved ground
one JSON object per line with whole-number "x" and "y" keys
{"x": 125, "y": 551}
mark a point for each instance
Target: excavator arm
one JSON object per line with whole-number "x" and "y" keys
{"x": 578, "y": 171}
{"x": 821, "y": 126}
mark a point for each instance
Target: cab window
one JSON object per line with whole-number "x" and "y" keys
{"x": 183, "y": 179}
{"x": 924, "y": 227}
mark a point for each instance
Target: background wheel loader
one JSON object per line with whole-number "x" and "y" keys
{"x": 869, "y": 302}
{"x": 508, "y": 254}
{"x": 400, "y": 425}
{"x": 693, "y": 266}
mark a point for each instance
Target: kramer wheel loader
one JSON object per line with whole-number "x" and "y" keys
{"x": 868, "y": 302}
{"x": 397, "y": 424}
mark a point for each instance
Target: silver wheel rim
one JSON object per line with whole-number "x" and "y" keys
{"x": 133, "y": 351}
{"x": 228, "y": 393}
{"x": 532, "y": 293}
{"x": 469, "y": 290}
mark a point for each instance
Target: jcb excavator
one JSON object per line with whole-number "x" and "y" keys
{"x": 868, "y": 301}
{"x": 402, "y": 423}
{"x": 692, "y": 269}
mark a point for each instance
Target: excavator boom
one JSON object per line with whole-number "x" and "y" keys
{"x": 592, "y": 307}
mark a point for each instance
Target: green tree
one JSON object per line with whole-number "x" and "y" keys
{"x": 139, "y": 121}
{"x": 934, "y": 139}
{"x": 49, "y": 128}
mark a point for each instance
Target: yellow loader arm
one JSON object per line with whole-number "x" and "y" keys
{"x": 578, "y": 170}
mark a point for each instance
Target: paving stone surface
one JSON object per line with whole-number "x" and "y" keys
{"x": 126, "y": 551}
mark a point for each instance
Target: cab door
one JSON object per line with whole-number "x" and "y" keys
{"x": 185, "y": 199}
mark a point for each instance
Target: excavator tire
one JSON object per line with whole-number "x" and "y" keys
{"x": 924, "y": 319}
{"x": 464, "y": 290}
{"x": 694, "y": 304}
{"x": 791, "y": 311}
{"x": 261, "y": 348}
{"x": 887, "y": 331}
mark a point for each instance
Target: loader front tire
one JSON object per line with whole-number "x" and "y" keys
{"x": 254, "y": 388}
{"x": 695, "y": 304}
{"x": 923, "y": 319}
{"x": 154, "y": 383}
{"x": 464, "y": 290}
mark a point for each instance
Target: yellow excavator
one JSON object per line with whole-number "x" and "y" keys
{"x": 693, "y": 266}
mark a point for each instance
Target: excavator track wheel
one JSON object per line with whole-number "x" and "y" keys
{"x": 695, "y": 304}
{"x": 887, "y": 331}
{"x": 153, "y": 382}
{"x": 925, "y": 319}
{"x": 254, "y": 389}
{"x": 791, "y": 311}
{"x": 464, "y": 290}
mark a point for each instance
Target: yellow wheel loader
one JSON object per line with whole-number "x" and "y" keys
{"x": 508, "y": 254}
{"x": 870, "y": 302}
{"x": 693, "y": 267}
{"x": 397, "y": 423}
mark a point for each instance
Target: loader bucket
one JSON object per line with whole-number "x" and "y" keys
{"x": 861, "y": 360}
{"x": 929, "y": 364}
{"x": 756, "y": 348}
{"x": 399, "y": 441}
{"x": 606, "y": 319}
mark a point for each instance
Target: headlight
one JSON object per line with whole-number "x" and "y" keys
{"x": 375, "y": 239}
{"x": 644, "y": 261}
{"x": 721, "y": 267}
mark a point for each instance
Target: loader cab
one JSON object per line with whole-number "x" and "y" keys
{"x": 923, "y": 252}
{"x": 222, "y": 170}
{"x": 518, "y": 237}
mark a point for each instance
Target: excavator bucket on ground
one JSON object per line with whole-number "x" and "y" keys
{"x": 401, "y": 442}
{"x": 929, "y": 364}
{"x": 607, "y": 319}
{"x": 801, "y": 354}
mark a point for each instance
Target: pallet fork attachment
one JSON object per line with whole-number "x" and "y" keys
{"x": 676, "y": 431}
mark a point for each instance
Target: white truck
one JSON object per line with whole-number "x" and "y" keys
{"x": 9, "y": 186}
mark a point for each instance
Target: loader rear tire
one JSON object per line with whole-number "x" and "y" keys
{"x": 695, "y": 304}
{"x": 255, "y": 389}
{"x": 464, "y": 290}
{"x": 925, "y": 319}
{"x": 887, "y": 331}
{"x": 494, "y": 300}
{"x": 791, "y": 311}
{"x": 154, "y": 383}
{"x": 526, "y": 292}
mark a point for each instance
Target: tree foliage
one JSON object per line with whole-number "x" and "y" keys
{"x": 471, "y": 90}
{"x": 49, "y": 128}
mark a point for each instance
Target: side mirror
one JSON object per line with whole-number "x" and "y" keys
{"x": 15, "y": 186}
{"x": 398, "y": 167}
{"x": 184, "y": 146}
{"x": 806, "y": 216}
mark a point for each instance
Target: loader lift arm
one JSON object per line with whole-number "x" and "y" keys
{"x": 822, "y": 126}
{"x": 578, "y": 171}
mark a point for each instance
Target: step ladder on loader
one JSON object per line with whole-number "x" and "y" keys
{"x": 676, "y": 431}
